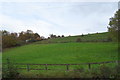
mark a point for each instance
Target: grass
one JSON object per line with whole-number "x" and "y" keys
{"x": 63, "y": 53}
{"x": 96, "y": 37}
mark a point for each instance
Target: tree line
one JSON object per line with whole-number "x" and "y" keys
{"x": 17, "y": 39}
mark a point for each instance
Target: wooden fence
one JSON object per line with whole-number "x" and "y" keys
{"x": 67, "y": 65}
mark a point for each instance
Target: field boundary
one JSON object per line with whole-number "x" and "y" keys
{"x": 67, "y": 65}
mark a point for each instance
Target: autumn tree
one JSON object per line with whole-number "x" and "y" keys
{"x": 37, "y": 36}
{"x": 22, "y": 36}
{"x": 8, "y": 40}
{"x": 15, "y": 39}
{"x": 29, "y": 35}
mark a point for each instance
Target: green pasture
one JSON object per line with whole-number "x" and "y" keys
{"x": 62, "y": 53}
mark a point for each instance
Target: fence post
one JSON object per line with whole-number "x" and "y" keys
{"x": 89, "y": 66}
{"x": 67, "y": 66}
{"x": 46, "y": 67}
{"x": 28, "y": 69}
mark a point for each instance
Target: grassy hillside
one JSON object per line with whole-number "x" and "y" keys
{"x": 62, "y": 53}
{"x": 96, "y": 37}
{"x": 93, "y": 48}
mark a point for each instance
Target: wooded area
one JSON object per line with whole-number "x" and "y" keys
{"x": 17, "y": 39}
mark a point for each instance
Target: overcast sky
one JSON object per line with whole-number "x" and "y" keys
{"x": 57, "y": 18}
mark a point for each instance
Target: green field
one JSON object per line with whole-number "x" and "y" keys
{"x": 63, "y": 53}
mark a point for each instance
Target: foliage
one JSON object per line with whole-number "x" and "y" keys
{"x": 116, "y": 71}
{"x": 105, "y": 71}
{"x": 9, "y": 70}
{"x": 63, "y": 36}
{"x": 15, "y": 39}
{"x": 79, "y": 69}
{"x": 52, "y": 36}
{"x": 28, "y": 35}
{"x": 94, "y": 73}
{"x": 8, "y": 39}
{"x": 82, "y": 35}
{"x": 114, "y": 28}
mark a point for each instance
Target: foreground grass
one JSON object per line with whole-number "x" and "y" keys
{"x": 102, "y": 71}
{"x": 63, "y": 53}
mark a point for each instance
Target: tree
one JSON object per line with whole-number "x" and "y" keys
{"x": 22, "y": 36}
{"x": 8, "y": 40}
{"x": 114, "y": 28}
{"x": 15, "y": 35}
{"x": 82, "y": 35}
{"x": 62, "y": 35}
{"x": 48, "y": 37}
{"x": 29, "y": 31}
{"x": 28, "y": 35}
{"x": 36, "y": 35}
{"x": 12, "y": 39}
{"x": 59, "y": 36}
{"x": 52, "y": 36}
{"x": 4, "y": 32}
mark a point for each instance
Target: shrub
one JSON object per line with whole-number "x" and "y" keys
{"x": 105, "y": 71}
{"x": 80, "y": 69}
{"x": 9, "y": 70}
{"x": 116, "y": 72}
{"x": 95, "y": 73}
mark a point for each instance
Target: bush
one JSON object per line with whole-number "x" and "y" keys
{"x": 116, "y": 72}
{"x": 9, "y": 70}
{"x": 95, "y": 73}
{"x": 8, "y": 41}
{"x": 79, "y": 69}
{"x": 105, "y": 71}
